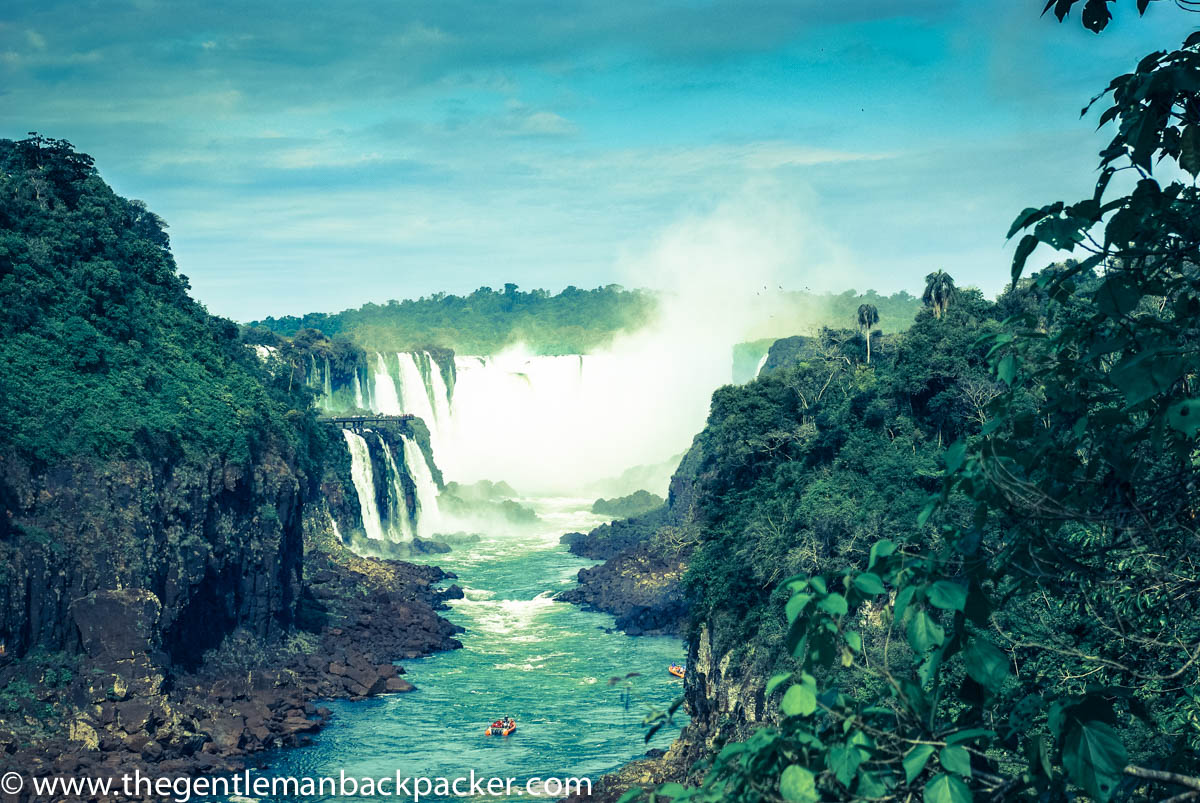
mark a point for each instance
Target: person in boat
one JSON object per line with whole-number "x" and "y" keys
{"x": 499, "y": 724}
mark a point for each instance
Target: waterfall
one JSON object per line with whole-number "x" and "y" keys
{"x": 328, "y": 383}
{"x": 761, "y": 363}
{"x": 398, "y": 510}
{"x": 386, "y": 401}
{"x": 358, "y": 397}
{"x": 415, "y": 392}
{"x": 438, "y": 392}
{"x": 364, "y": 484}
{"x": 428, "y": 517}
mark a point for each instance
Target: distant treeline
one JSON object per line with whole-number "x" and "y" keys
{"x": 813, "y": 311}
{"x": 484, "y": 322}
{"x": 573, "y": 321}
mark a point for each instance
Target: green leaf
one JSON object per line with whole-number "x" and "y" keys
{"x": 1189, "y": 149}
{"x": 954, "y": 455}
{"x": 986, "y": 664}
{"x": 844, "y": 761}
{"x": 795, "y": 606}
{"x": 1143, "y": 375}
{"x": 871, "y": 585}
{"x": 924, "y": 633}
{"x": 947, "y": 789}
{"x": 903, "y": 598}
{"x": 1118, "y": 296}
{"x": 970, "y": 735}
{"x": 956, "y": 759}
{"x": 854, "y": 640}
{"x": 1096, "y": 15}
{"x": 915, "y": 761}
{"x": 798, "y": 784}
{"x": 834, "y": 604}
{"x": 774, "y": 682}
{"x": 870, "y": 785}
{"x": 1025, "y": 247}
{"x": 632, "y": 795}
{"x": 1184, "y": 416}
{"x": 1094, "y": 757}
{"x": 1006, "y": 369}
{"x": 880, "y": 549}
{"x": 670, "y": 790}
{"x": 1028, "y": 217}
{"x": 947, "y": 595}
{"x": 798, "y": 700}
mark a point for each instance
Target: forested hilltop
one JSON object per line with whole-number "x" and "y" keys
{"x": 104, "y": 353}
{"x": 168, "y": 510}
{"x": 573, "y": 321}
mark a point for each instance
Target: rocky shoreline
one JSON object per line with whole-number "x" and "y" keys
{"x": 124, "y": 707}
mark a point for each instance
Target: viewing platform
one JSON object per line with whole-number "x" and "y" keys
{"x": 357, "y": 423}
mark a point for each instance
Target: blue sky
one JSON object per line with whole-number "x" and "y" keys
{"x": 316, "y": 156}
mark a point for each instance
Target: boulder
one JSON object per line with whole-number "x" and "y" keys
{"x": 118, "y": 624}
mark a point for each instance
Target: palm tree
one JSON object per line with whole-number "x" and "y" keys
{"x": 939, "y": 293}
{"x": 868, "y": 316}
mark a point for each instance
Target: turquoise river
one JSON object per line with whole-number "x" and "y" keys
{"x": 547, "y": 664}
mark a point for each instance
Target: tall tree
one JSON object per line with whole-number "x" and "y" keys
{"x": 940, "y": 292}
{"x": 868, "y": 316}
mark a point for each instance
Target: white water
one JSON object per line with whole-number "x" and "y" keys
{"x": 441, "y": 396}
{"x": 386, "y": 401}
{"x": 400, "y": 510}
{"x": 548, "y": 423}
{"x": 429, "y": 518}
{"x": 364, "y": 484}
{"x": 358, "y": 396}
{"x": 761, "y": 363}
{"x": 414, "y": 395}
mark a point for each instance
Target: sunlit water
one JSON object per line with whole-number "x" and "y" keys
{"x": 547, "y": 664}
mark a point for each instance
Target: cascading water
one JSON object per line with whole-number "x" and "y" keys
{"x": 586, "y": 417}
{"x": 364, "y": 484}
{"x": 414, "y": 390}
{"x": 328, "y": 387}
{"x": 761, "y": 363}
{"x": 358, "y": 394}
{"x": 399, "y": 524}
{"x": 440, "y": 394}
{"x": 386, "y": 400}
{"x": 428, "y": 516}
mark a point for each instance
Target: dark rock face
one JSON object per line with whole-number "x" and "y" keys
{"x": 640, "y": 587}
{"x": 115, "y": 625}
{"x": 130, "y": 708}
{"x": 218, "y": 543}
{"x": 635, "y": 504}
{"x": 609, "y": 540}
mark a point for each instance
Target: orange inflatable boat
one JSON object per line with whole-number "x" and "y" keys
{"x": 500, "y": 729}
{"x": 676, "y": 670}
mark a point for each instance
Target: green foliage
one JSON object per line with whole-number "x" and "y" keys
{"x": 1095, "y": 16}
{"x": 103, "y": 352}
{"x": 484, "y": 322}
{"x": 1035, "y": 635}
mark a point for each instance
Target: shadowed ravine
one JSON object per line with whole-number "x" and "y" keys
{"x": 545, "y": 663}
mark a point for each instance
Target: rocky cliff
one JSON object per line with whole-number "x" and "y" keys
{"x": 645, "y": 558}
